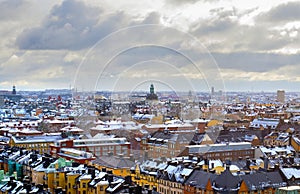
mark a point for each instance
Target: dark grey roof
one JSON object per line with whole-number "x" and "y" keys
{"x": 219, "y": 147}
{"x": 114, "y": 162}
{"x": 183, "y": 137}
{"x": 260, "y": 180}
{"x": 241, "y": 164}
{"x": 199, "y": 179}
{"x": 197, "y": 139}
{"x": 227, "y": 180}
{"x": 238, "y": 136}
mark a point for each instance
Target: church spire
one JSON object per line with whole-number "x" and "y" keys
{"x": 151, "y": 89}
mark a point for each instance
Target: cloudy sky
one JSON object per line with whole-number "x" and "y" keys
{"x": 179, "y": 45}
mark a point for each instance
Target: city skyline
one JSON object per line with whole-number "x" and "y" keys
{"x": 177, "y": 45}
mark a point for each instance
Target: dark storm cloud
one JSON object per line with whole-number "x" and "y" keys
{"x": 73, "y": 25}
{"x": 284, "y": 12}
{"x": 67, "y": 26}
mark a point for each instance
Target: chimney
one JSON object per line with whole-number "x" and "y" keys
{"x": 276, "y": 167}
{"x": 284, "y": 159}
{"x": 266, "y": 163}
{"x": 91, "y": 171}
{"x": 228, "y": 162}
{"x": 138, "y": 189}
{"x": 128, "y": 180}
{"x": 27, "y": 187}
{"x": 290, "y": 139}
{"x": 228, "y": 165}
{"x": 110, "y": 178}
{"x": 131, "y": 190}
{"x": 292, "y": 160}
{"x": 248, "y": 162}
{"x": 206, "y": 161}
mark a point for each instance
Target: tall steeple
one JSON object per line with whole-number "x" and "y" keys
{"x": 152, "y": 95}
{"x": 151, "y": 89}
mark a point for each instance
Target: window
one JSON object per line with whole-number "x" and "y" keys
{"x": 104, "y": 148}
{"x": 83, "y": 185}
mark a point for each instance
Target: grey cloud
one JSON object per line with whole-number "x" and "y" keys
{"x": 180, "y": 2}
{"x": 152, "y": 18}
{"x": 221, "y": 12}
{"x": 67, "y": 26}
{"x": 225, "y": 27}
{"x": 258, "y": 86}
{"x": 214, "y": 26}
{"x": 71, "y": 25}
{"x": 74, "y": 25}
{"x": 223, "y": 32}
{"x": 284, "y": 12}
{"x": 254, "y": 62}
{"x": 220, "y": 22}
{"x": 12, "y": 9}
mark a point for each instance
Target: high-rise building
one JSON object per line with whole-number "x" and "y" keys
{"x": 281, "y": 96}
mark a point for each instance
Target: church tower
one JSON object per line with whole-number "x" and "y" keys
{"x": 151, "y": 89}
{"x": 14, "y": 90}
{"x": 151, "y": 95}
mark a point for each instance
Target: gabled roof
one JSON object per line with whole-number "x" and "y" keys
{"x": 114, "y": 162}
{"x": 226, "y": 180}
{"x": 199, "y": 179}
{"x": 175, "y": 173}
{"x": 260, "y": 180}
{"x": 290, "y": 172}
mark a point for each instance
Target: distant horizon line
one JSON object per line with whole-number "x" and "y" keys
{"x": 141, "y": 91}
